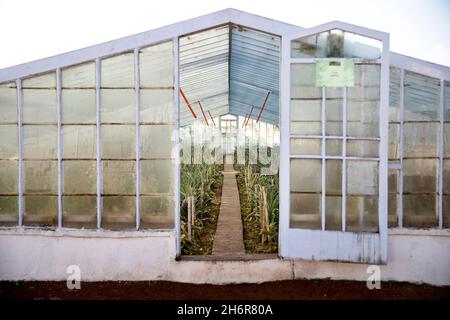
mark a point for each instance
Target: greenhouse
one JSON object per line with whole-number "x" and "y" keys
{"x": 227, "y": 148}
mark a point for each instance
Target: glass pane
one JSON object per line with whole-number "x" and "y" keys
{"x": 447, "y": 140}
{"x": 303, "y": 79}
{"x": 9, "y": 175}
{"x": 394, "y": 95}
{"x": 334, "y": 117}
{"x": 334, "y": 177}
{"x": 47, "y": 80}
{"x": 40, "y": 211}
{"x": 156, "y": 212}
{"x": 8, "y": 103}
{"x": 421, "y": 97}
{"x": 306, "y": 146}
{"x": 334, "y": 147}
{"x": 421, "y": 140}
{"x": 118, "y": 142}
{"x": 333, "y": 219}
{"x": 306, "y": 175}
{"x": 419, "y": 210}
{"x": 9, "y": 212}
{"x": 156, "y": 176}
{"x": 393, "y": 200}
{"x": 156, "y": 141}
{"x": 79, "y": 76}
{"x": 119, "y": 177}
{"x": 306, "y": 117}
{"x": 446, "y": 100}
{"x": 40, "y": 142}
{"x": 446, "y": 211}
{"x": 78, "y": 106}
{"x": 118, "y": 106}
{"x": 9, "y": 142}
{"x": 394, "y": 141}
{"x": 305, "y": 211}
{"x": 362, "y": 177}
{"x": 156, "y": 65}
{"x": 118, "y": 71}
{"x": 362, "y": 148}
{"x": 80, "y": 211}
{"x": 336, "y": 44}
{"x": 79, "y": 142}
{"x": 119, "y": 212}
{"x": 419, "y": 175}
{"x": 73, "y": 170}
{"x": 446, "y": 182}
{"x": 362, "y": 214}
{"x": 156, "y": 105}
{"x": 41, "y": 176}
{"x": 39, "y": 106}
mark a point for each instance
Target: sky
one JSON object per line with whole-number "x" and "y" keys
{"x": 32, "y": 30}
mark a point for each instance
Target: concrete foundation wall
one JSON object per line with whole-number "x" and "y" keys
{"x": 421, "y": 257}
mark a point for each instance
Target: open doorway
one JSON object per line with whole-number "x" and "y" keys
{"x": 229, "y": 134}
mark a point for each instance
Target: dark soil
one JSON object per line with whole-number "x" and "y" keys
{"x": 280, "y": 290}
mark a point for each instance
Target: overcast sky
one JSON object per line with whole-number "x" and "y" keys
{"x": 37, "y": 29}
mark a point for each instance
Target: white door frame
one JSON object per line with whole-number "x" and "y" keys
{"x": 321, "y": 244}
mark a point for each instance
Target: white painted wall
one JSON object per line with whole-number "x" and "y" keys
{"x": 421, "y": 257}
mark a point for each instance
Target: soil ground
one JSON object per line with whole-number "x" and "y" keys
{"x": 280, "y": 290}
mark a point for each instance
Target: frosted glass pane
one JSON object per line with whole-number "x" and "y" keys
{"x": 392, "y": 210}
{"x": 334, "y": 177}
{"x": 41, "y": 176}
{"x": 362, "y": 148}
{"x": 80, "y": 211}
{"x": 363, "y": 119}
{"x": 334, "y": 115}
{"x": 362, "y": 177}
{"x": 156, "y": 105}
{"x": 156, "y": 65}
{"x": 306, "y": 146}
{"x": 394, "y": 141}
{"x": 393, "y": 176}
{"x": 333, "y": 147}
{"x": 118, "y": 71}
{"x": 446, "y": 181}
{"x": 40, "y": 142}
{"x": 446, "y": 100}
{"x": 9, "y": 215}
{"x": 419, "y": 175}
{"x": 156, "y": 176}
{"x": 156, "y": 141}
{"x": 78, "y": 106}
{"x": 39, "y": 106}
{"x": 8, "y": 176}
{"x": 156, "y": 212}
{"x": 394, "y": 95}
{"x": 333, "y": 210}
{"x": 303, "y": 77}
{"x": 305, "y": 211}
{"x": 47, "y": 80}
{"x": 79, "y": 142}
{"x": 306, "y": 117}
{"x": 118, "y": 106}
{"x": 119, "y": 177}
{"x": 9, "y": 143}
{"x": 446, "y": 211}
{"x": 421, "y": 97}
{"x": 447, "y": 140}
{"x": 8, "y": 103}
{"x": 306, "y": 175}
{"x": 79, "y": 76}
{"x": 362, "y": 214}
{"x": 420, "y": 211}
{"x": 40, "y": 211}
{"x": 79, "y": 177}
{"x": 119, "y": 212}
{"x": 421, "y": 139}
{"x": 118, "y": 142}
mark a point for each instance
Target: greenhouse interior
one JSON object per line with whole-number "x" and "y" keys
{"x": 231, "y": 135}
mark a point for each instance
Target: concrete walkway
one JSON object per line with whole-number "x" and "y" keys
{"x": 229, "y": 240}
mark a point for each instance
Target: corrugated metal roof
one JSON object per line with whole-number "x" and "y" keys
{"x": 230, "y": 81}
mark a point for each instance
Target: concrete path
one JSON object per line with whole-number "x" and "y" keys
{"x": 229, "y": 240}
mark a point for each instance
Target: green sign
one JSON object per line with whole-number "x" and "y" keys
{"x": 338, "y": 73}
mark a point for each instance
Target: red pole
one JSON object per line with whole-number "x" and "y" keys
{"x": 249, "y": 115}
{"x": 262, "y": 108}
{"x": 203, "y": 112}
{"x": 188, "y": 104}
{"x": 212, "y": 119}
{"x": 245, "y": 120}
